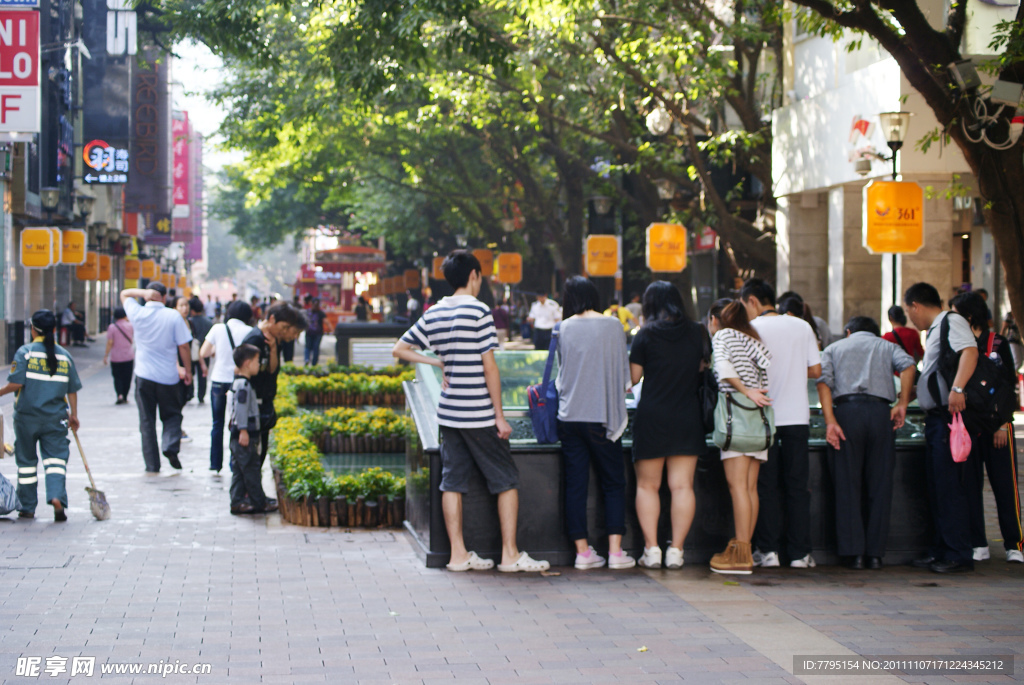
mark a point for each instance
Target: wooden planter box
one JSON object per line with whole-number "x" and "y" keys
{"x": 340, "y": 513}
{"x": 349, "y": 399}
{"x": 360, "y": 444}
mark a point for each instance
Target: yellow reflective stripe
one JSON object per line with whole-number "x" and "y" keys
{"x": 55, "y": 469}
{"x": 42, "y": 355}
{"x": 27, "y": 481}
{"x": 26, "y": 469}
{"x": 54, "y": 460}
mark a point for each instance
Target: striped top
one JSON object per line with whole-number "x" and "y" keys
{"x": 42, "y": 395}
{"x": 737, "y": 355}
{"x": 459, "y": 330}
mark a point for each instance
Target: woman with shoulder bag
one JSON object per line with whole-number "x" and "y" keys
{"x": 741, "y": 364}
{"x": 668, "y": 430}
{"x": 120, "y": 354}
{"x": 593, "y": 378}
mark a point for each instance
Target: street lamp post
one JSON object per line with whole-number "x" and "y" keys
{"x": 894, "y": 128}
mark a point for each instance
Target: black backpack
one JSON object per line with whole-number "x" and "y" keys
{"x": 990, "y": 395}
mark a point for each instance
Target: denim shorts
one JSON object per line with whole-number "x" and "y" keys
{"x": 463, "y": 447}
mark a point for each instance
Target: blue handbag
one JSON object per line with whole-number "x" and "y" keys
{"x": 543, "y": 400}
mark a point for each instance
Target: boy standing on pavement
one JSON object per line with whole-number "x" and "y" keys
{"x": 948, "y": 489}
{"x": 247, "y": 495}
{"x": 460, "y": 330}
{"x": 857, "y": 377}
{"x": 283, "y": 323}
{"x": 782, "y": 484}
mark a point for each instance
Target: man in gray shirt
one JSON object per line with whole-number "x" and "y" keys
{"x": 856, "y": 377}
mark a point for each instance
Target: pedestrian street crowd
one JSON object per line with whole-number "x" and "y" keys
{"x": 740, "y": 374}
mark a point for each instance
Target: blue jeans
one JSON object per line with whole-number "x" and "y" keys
{"x": 313, "y": 348}
{"x": 583, "y": 445}
{"x": 219, "y": 405}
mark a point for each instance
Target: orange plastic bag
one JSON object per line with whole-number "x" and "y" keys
{"x": 959, "y": 439}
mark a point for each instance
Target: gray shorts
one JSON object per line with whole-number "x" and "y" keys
{"x": 462, "y": 447}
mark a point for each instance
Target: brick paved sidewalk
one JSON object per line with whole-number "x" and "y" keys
{"x": 173, "y": 577}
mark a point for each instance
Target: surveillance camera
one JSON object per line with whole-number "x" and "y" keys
{"x": 862, "y": 167}
{"x": 965, "y": 75}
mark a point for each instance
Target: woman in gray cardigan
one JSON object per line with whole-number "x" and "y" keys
{"x": 593, "y": 377}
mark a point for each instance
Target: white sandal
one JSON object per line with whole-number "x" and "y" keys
{"x": 473, "y": 563}
{"x": 524, "y": 563}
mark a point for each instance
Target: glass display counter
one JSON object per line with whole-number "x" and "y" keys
{"x": 542, "y": 526}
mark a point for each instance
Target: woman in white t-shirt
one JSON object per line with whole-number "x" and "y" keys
{"x": 220, "y": 343}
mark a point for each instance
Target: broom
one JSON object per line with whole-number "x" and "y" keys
{"x": 97, "y": 500}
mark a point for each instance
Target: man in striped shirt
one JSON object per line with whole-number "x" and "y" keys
{"x": 460, "y": 331}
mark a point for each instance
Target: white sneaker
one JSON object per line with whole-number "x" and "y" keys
{"x": 589, "y": 560}
{"x": 651, "y": 557}
{"x": 620, "y": 561}
{"x": 673, "y": 558}
{"x": 981, "y": 554}
{"x": 1014, "y": 556}
{"x": 765, "y": 559}
{"x": 806, "y": 562}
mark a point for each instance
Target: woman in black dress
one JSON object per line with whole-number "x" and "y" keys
{"x": 667, "y": 430}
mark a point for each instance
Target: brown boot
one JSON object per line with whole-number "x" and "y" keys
{"x": 735, "y": 559}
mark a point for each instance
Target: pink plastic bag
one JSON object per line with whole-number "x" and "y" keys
{"x": 959, "y": 439}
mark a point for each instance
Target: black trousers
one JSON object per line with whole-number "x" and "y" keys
{"x": 199, "y": 378}
{"x": 948, "y": 493}
{"x": 122, "y": 373}
{"x": 862, "y": 470}
{"x": 245, "y": 472}
{"x": 1001, "y": 464}
{"x": 288, "y": 350}
{"x": 541, "y": 338}
{"x": 150, "y": 396}
{"x": 783, "y": 523}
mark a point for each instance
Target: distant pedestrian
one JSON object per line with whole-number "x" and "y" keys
{"x": 544, "y": 314}
{"x": 257, "y": 310}
{"x": 668, "y": 433}
{"x": 315, "y": 319}
{"x": 502, "y": 321}
{"x": 188, "y": 389}
{"x": 741, "y": 364}
{"x": 210, "y": 308}
{"x": 784, "y": 520}
{"x": 908, "y": 339}
{"x": 247, "y": 496}
{"x": 362, "y": 310}
{"x": 201, "y": 325}
{"x": 221, "y": 342}
{"x": 472, "y": 423}
{"x": 593, "y": 376}
{"x": 218, "y": 310}
{"x": 161, "y": 341}
{"x": 949, "y": 492}
{"x": 996, "y": 453}
{"x": 44, "y": 377}
{"x": 857, "y": 378}
{"x": 1011, "y": 332}
{"x": 120, "y": 353}
{"x": 283, "y": 322}
{"x": 636, "y": 308}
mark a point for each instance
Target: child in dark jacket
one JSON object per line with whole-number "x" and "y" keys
{"x": 246, "y": 490}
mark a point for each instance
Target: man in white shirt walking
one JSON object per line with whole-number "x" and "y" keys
{"x": 543, "y": 316}
{"x": 162, "y": 340}
{"x": 783, "y": 522}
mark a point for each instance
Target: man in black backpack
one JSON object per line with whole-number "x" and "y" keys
{"x": 948, "y": 492}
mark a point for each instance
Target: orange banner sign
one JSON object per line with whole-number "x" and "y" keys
{"x": 893, "y": 217}
{"x": 666, "y": 248}
{"x": 602, "y": 255}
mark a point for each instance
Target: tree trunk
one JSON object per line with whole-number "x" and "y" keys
{"x": 1000, "y": 177}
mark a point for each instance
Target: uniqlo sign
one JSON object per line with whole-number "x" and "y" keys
{"x": 19, "y": 71}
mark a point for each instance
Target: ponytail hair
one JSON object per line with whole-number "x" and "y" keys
{"x": 51, "y": 350}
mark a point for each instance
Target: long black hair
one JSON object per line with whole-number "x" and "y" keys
{"x": 972, "y": 307}
{"x": 663, "y": 304}
{"x": 45, "y": 322}
{"x": 579, "y": 295}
